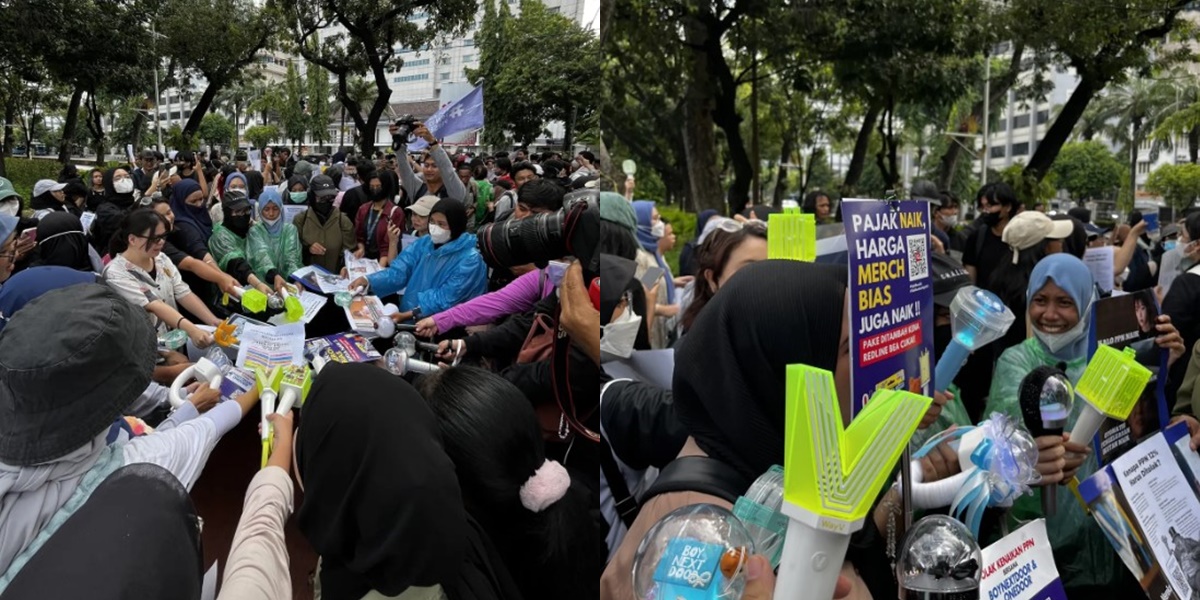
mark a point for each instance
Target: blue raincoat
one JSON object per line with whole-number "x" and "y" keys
{"x": 434, "y": 279}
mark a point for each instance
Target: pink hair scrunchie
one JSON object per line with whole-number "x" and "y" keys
{"x": 546, "y": 486}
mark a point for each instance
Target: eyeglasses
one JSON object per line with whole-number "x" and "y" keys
{"x": 154, "y": 239}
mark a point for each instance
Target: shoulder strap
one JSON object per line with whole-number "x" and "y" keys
{"x": 626, "y": 505}
{"x": 698, "y": 474}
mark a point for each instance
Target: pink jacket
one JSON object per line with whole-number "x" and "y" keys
{"x": 516, "y": 297}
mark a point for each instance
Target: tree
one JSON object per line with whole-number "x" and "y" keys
{"x": 236, "y": 98}
{"x": 1103, "y": 42}
{"x": 291, "y": 106}
{"x": 1030, "y": 190}
{"x": 318, "y": 92}
{"x": 1087, "y": 170}
{"x": 521, "y": 100}
{"x": 216, "y": 39}
{"x": 1179, "y": 185}
{"x": 262, "y": 135}
{"x": 215, "y": 130}
{"x": 1138, "y": 105}
{"x": 366, "y": 39}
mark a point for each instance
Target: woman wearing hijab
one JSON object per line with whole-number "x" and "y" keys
{"x": 228, "y": 242}
{"x": 437, "y": 271}
{"x": 273, "y": 244}
{"x": 187, "y": 203}
{"x": 297, "y": 190}
{"x": 772, "y": 314}
{"x": 49, "y": 197}
{"x": 687, "y": 256}
{"x": 61, "y": 242}
{"x": 382, "y": 506}
{"x": 1060, "y": 299}
{"x": 149, "y": 512}
{"x": 650, "y": 228}
{"x": 325, "y": 232}
{"x": 118, "y": 188}
{"x": 232, "y": 181}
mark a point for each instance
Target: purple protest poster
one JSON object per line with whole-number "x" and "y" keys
{"x": 890, "y": 296}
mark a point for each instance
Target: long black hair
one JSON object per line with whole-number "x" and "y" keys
{"x": 137, "y": 222}
{"x": 491, "y": 433}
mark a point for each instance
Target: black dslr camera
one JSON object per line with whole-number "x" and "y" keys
{"x": 404, "y": 128}
{"x": 574, "y": 230}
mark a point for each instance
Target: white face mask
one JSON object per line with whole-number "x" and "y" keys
{"x": 438, "y": 235}
{"x": 267, "y": 221}
{"x": 10, "y": 208}
{"x": 617, "y": 338}
{"x": 1058, "y": 341}
{"x": 950, "y": 220}
{"x": 123, "y": 186}
{"x": 347, "y": 184}
{"x": 659, "y": 229}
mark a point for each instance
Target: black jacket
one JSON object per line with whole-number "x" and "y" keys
{"x": 640, "y": 425}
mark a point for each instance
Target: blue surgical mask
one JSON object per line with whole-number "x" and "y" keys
{"x": 298, "y": 197}
{"x": 1169, "y": 245}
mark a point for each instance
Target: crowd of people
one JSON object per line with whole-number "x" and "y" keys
{"x": 477, "y": 480}
{"x": 734, "y": 320}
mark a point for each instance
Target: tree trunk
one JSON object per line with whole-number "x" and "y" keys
{"x": 96, "y": 128}
{"x": 1193, "y": 138}
{"x": 699, "y": 138}
{"x": 569, "y": 130}
{"x": 202, "y": 106}
{"x": 72, "y": 121}
{"x": 10, "y": 120}
{"x": 781, "y": 177}
{"x": 858, "y": 158}
{"x": 1060, "y": 131}
{"x": 1134, "y": 142}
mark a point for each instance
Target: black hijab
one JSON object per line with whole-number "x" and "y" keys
{"x": 382, "y": 506}
{"x": 236, "y": 200}
{"x": 456, "y": 215}
{"x": 123, "y": 201}
{"x": 136, "y": 536}
{"x": 616, "y": 280}
{"x": 61, "y": 242}
{"x": 730, "y": 369}
{"x": 254, "y": 183}
{"x": 46, "y": 201}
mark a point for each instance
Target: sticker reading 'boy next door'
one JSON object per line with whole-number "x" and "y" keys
{"x": 891, "y": 297}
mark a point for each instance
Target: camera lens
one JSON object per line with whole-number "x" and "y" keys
{"x": 536, "y": 239}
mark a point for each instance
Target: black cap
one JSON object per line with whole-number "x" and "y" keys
{"x": 241, "y": 156}
{"x": 322, "y": 185}
{"x": 235, "y": 200}
{"x": 949, "y": 276}
{"x": 1081, "y": 213}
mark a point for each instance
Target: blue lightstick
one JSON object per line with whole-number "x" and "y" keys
{"x": 978, "y": 318}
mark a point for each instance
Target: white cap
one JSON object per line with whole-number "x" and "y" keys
{"x": 1029, "y": 228}
{"x": 47, "y": 185}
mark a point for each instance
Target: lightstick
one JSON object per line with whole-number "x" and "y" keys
{"x": 1046, "y": 397}
{"x": 940, "y": 559}
{"x": 204, "y": 371}
{"x": 252, "y": 300}
{"x": 793, "y": 235}
{"x": 268, "y": 391}
{"x": 1110, "y": 386}
{"x": 978, "y": 318}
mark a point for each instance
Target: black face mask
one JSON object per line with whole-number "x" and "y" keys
{"x": 378, "y": 195}
{"x": 238, "y": 224}
{"x": 322, "y": 206}
{"x": 991, "y": 219}
{"x": 942, "y": 335}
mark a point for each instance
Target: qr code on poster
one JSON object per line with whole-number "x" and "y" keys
{"x": 918, "y": 257}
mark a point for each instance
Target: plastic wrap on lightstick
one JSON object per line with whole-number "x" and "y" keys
{"x": 759, "y": 510}
{"x": 940, "y": 560}
{"x": 696, "y": 552}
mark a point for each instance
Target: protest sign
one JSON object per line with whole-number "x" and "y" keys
{"x": 1020, "y": 566}
{"x": 890, "y": 296}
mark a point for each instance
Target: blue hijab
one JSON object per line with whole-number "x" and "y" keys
{"x": 237, "y": 175}
{"x": 643, "y": 209}
{"x": 1070, "y": 274}
{"x": 271, "y": 196}
{"x": 23, "y": 287}
{"x": 702, "y": 220}
{"x": 194, "y": 216}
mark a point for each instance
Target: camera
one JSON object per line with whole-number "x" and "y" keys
{"x": 404, "y": 128}
{"x": 573, "y": 230}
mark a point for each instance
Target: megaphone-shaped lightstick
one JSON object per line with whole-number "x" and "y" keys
{"x": 1111, "y": 386}
{"x": 252, "y": 300}
{"x": 291, "y": 304}
{"x": 832, "y": 473}
{"x": 793, "y": 236}
{"x": 293, "y": 387}
{"x": 268, "y": 392}
{"x": 978, "y": 318}
{"x": 1046, "y": 396}
{"x": 204, "y": 371}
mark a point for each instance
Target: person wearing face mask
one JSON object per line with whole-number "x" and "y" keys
{"x": 228, "y": 242}
{"x": 1182, "y": 300}
{"x": 376, "y": 218}
{"x": 325, "y": 232}
{"x": 1060, "y": 297}
{"x": 650, "y": 229}
{"x": 945, "y": 220}
{"x": 297, "y": 190}
{"x": 274, "y": 246}
{"x": 436, "y": 272}
{"x": 61, "y": 242}
{"x": 985, "y": 249}
{"x": 118, "y": 188}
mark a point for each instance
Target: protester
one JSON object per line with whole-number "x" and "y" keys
{"x": 815, "y": 203}
{"x": 144, "y": 276}
{"x": 1060, "y": 298}
{"x": 48, "y": 197}
{"x": 721, "y": 255}
{"x": 297, "y": 189}
{"x": 118, "y": 188}
{"x": 650, "y": 228}
{"x": 1182, "y": 303}
{"x": 326, "y": 233}
{"x": 437, "y": 271}
{"x": 272, "y": 243}
{"x": 61, "y": 242}
{"x": 190, "y": 254}
{"x": 357, "y": 195}
{"x": 438, "y": 178}
{"x": 228, "y": 242}
{"x": 517, "y": 297}
{"x": 528, "y": 505}
{"x": 382, "y": 506}
{"x": 376, "y": 218}
{"x": 96, "y": 189}
{"x": 82, "y": 384}
{"x": 1143, "y": 272}
{"x": 187, "y": 204}
{"x": 984, "y": 250}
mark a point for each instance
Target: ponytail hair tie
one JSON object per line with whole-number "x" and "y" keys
{"x": 546, "y": 486}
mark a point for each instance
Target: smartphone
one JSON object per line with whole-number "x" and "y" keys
{"x": 555, "y": 271}
{"x": 651, "y": 276}
{"x": 30, "y": 233}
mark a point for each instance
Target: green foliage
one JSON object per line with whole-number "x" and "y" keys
{"x": 1087, "y": 170}
{"x": 318, "y": 92}
{"x": 215, "y": 130}
{"x": 1030, "y": 190}
{"x": 291, "y": 116}
{"x": 535, "y": 68}
{"x": 262, "y": 135}
{"x": 24, "y": 172}
{"x": 1179, "y": 185}
{"x": 683, "y": 223}
{"x": 173, "y": 137}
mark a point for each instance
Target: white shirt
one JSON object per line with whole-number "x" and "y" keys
{"x": 183, "y": 449}
{"x": 137, "y": 286}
